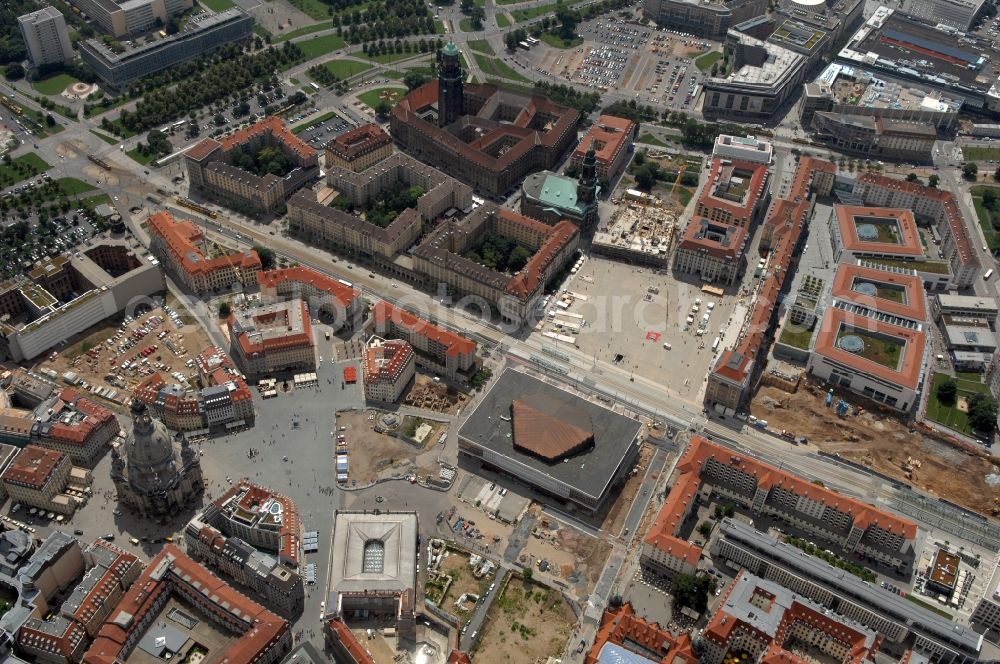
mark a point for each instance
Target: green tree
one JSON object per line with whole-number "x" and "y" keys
{"x": 173, "y": 25}
{"x": 267, "y": 256}
{"x": 983, "y": 413}
{"x": 568, "y": 19}
{"x": 415, "y": 79}
{"x": 705, "y": 529}
{"x": 692, "y": 591}
{"x": 947, "y": 392}
{"x": 933, "y": 180}
{"x": 912, "y": 177}
{"x": 477, "y": 17}
{"x": 14, "y": 71}
{"x": 382, "y": 108}
{"x": 996, "y": 174}
{"x": 527, "y": 572}
{"x": 970, "y": 171}
{"x": 645, "y": 178}
{"x": 225, "y": 309}
{"x": 49, "y": 120}
{"x": 219, "y": 120}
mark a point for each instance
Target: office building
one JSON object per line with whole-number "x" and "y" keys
{"x": 155, "y": 476}
{"x": 783, "y": 235}
{"x": 743, "y": 148}
{"x": 224, "y": 402}
{"x": 253, "y": 634}
{"x": 373, "y": 559}
{"x": 388, "y": 369}
{"x": 487, "y": 136}
{"x": 712, "y": 251}
{"x": 333, "y": 299}
{"x": 774, "y": 624}
{"x": 437, "y": 349}
{"x": 958, "y": 14}
{"x": 203, "y": 33}
{"x": 46, "y": 38}
{"x": 876, "y": 138}
{"x": 558, "y": 443}
{"x": 121, "y": 18}
{"x": 65, "y": 295}
{"x": 270, "y": 338}
{"x": 611, "y": 138}
{"x": 703, "y": 19}
{"x": 967, "y": 306}
{"x": 986, "y": 615}
{"x": 358, "y": 149}
{"x": 280, "y": 588}
{"x": 441, "y": 259}
{"x": 68, "y": 423}
{"x": 624, "y": 637}
{"x": 961, "y": 266}
{"x": 708, "y": 469}
{"x": 260, "y": 516}
{"x": 904, "y": 625}
{"x": 182, "y": 247}
{"x": 211, "y": 171}
{"x": 38, "y": 478}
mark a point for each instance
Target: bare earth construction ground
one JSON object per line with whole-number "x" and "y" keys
{"x": 527, "y": 623}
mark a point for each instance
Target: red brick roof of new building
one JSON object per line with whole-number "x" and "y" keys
{"x": 786, "y": 218}
{"x": 455, "y": 343}
{"x": 663, "y": 533}
{"x": 693, "y": 240}
{"x": 278, "y": 130}
{"x": 343, "y": 293}
{"x": 608, "y": 134}
{"x": 33, "y": 467}
{"x": 300, "y": 337}
{"x": 621, "y": 626}
{"x": 181, "y": 238}
{"x": 350, "y": 642}
{"x": 78, "y": 432}
{"x": 907, "y": 240}
{"x": 386, "y": 361}
{"x": 168, "y": 570}
{"x": 356, "y": 142}
{"x": 910, "y": 286}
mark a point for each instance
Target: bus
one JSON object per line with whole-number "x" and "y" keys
{"x": 525, "y": 45}
{"x": 314, "y": 86}
{"x": 532, "y": 41}
{"x": 989, "y": 273}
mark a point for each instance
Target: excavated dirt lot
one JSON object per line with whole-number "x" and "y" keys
{"x": 528, "y": 623}
{"x": 883, "y": 443}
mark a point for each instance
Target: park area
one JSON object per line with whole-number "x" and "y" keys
{"x": 528, "y": 622}
{"x": 987, "y": 203}
{"x": 380, "y": 97}
{"x": 952, "y": 409}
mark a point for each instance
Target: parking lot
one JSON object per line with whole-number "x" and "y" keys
{"x": 323, "y": 132}
{"x": 651, "y": 65}
{"x": 111, "y": 359}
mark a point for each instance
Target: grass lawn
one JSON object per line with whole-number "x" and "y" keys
{"x": 308, "y": 30}
{"x": 495, "y": 67}
{"x": 261, "y": 31}
{"x": 705, "y": 62}
{"x": 315, "y": 9}
{"x": 11, "y": 175}
{"x": 110, "y": 140}
{"x": 521, "y": 15}
{"x": 649, "y": 139}
{"x": 106, "y": 104}
{"x": 502, "y": 20}
{"x": 386, "y": 58}
{"x": 393, "y": 74}
{"x": 313, "y": 48}
{"x": 144, "y": 159}
{"x": 346, "y": 68}
{"x": 72, "y": 186}
{"x": 986, "y": 223}
{"x": 930, "y": 267}
{"x": 971, "y": 153}
{"x": 439, "y": 27}
{"x": 555, "y": 41}
{"x": 217, "y": 5}
{"x": 465, "y": 25}
{"x": 972, "y": 376}
{"x": 481, "y": 46}
{"x": 951, "y": 416}
{"x": 94, "y": 201}
{"x": 298, "y": 129}
{"x": 508, "y": 2}
{"x": 372, "y": 97}
{"x": 54, "y": 85}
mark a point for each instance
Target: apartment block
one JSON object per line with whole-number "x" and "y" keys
{"x": 269, "y": 338}
{"x": 45, "y": 37}
{"x": 437, "y": 349}
{"x": 359, "y": 149}
{"x": 37, "y": 478}
{"x": 388, "y": 369}
{"x": 334, "y": 298}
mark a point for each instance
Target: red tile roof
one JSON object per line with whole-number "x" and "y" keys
{"x": 302, "y": 337}
{"x": 908, "y": 238}
{"x": 344, "y": 294}
{"x": 720, "y": 175}
{"x": 455, "y": 343}
{"x": 350, "y": 642}
{"x": 203, "y": 149}
{"x": 609, "y": 134}
{"x": 398, "y": 353}
{"x": 274, "y": 126}
{"x": 622, "y": 627}
{"x": 356, "y": 142}
{"x": 168, "y": 572}
{"x": 181, "y": 238}
{"x": 786, "y": 220}
{"x": 912, "y": 287}
{"x": 33, "y": 467}
{"x": 692, "y": 241}
{"x": 663, "y": 533}
{"x": 530, "y": 278}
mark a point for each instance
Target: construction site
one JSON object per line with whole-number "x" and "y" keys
{"x": 433, "y": 395}
{"x": 927, "y": 461}
{"x": 640, "y": 231}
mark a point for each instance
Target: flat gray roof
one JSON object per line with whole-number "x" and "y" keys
{"x": 396, "y": 535}
{"x": 489, "y": 426}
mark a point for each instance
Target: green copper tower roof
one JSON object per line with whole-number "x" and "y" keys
{"x": 450, "y": 49}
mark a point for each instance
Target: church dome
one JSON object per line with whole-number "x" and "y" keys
{"x": 152, "y": 457}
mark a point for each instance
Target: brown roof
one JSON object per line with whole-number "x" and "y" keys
{"x": 359, "y": 141}
{"x": 549, "y": 428}
{"x": 33, "y": 467}
{"x": 609, "y": 133}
